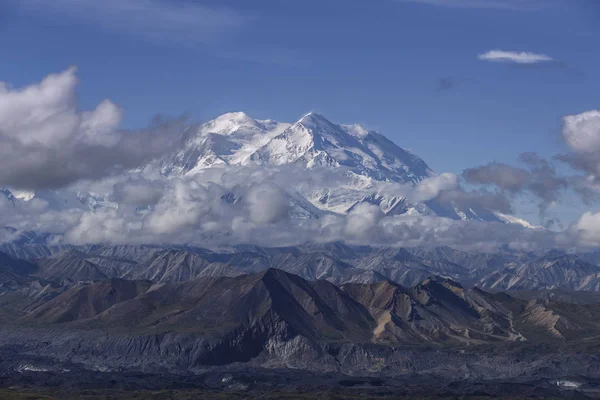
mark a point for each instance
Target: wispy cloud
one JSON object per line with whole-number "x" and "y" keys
{"x": 156, "y": 20}
{"x": 497, "y": 4}
{"x": 514, "y": 57}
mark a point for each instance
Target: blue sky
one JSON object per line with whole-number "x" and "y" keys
{"x": 376, "y": 62}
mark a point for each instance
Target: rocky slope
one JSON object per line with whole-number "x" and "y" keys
{"x": 550, "y": 271}
{"x": 275, "y": 319}
{"x": 336, "y": 262}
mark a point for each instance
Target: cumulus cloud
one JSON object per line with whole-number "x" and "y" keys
{"x": 545, "y": 183}
{"x": 502, "y": 175}
{"x": 47, "y": 142}
{"x": 156, "y": 20}
{"x": 198, "y": 212}
{"x": 51, "y": 143}
{"x": 586, "y": 231}
{"x": 258, "y": 205}
{"x": 362, "y": 222}
{"x": 479, "y": 200}
{"x": 581, "y": 133}
{"x": 540, "y": 178}
{"x": 267, "y": 203}
{"x": 430, "y": 188}
{"x": 514, "y": 57}
{"x": 138, "y": 192}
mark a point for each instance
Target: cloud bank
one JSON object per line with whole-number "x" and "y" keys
{"x": 197, "y": 212}
{"x": 89, "y": 188}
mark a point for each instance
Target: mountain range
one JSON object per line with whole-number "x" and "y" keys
{"x": 338, "y": 263}
{"x": 437, "y": 316}
{"x": 275, "y": 319}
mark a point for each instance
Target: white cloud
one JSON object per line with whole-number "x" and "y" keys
{"x": 514, "y": 57}
{"x": 138, "y": 192}
{"x": 197, "y": 210}
{"x": 267, "y": 203}
{"x": 582, "y": 131}
{"x": 587, "y": 230}
{"x": 46, "y": 141}
{"x": 362, "y": 222}
{"x": 431, "y": 187}
{"x": 157, "y": 20}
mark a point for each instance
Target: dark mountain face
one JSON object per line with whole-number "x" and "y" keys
{"x": 71, "y": 265}
{"x": 84, "y": 301}
{"x": 435, "y": 311}
{"x": 14, "y": 273}
{"x": 275, "y": 319}
{"x": 12, "y": 266}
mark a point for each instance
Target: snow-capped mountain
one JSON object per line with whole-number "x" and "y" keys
{"x": 316, "y": 142}
{"x": 366, "y": 161}
{"x": 313, "y": 141}
{"x": 236, "y": 139}
{"x": 229, "y": 139}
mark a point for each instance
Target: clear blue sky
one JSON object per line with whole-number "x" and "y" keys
{"x": 376, "y": 62}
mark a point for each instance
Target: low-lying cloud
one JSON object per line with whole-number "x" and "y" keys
{"x": 89, "y": 188}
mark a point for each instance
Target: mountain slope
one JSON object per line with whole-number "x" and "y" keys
{"x": 85, "y": 301}
{"x": 227, "y": 140}
{"x": 314, "y": 141}
{"x": 236, "y": 139}
{"x": 552, "y": 270}
{"x": 71, "y": 265}
{"x": 275, "y": 302}
{"x": 274, "y": 320}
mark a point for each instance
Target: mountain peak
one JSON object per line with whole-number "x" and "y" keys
{"x": 273, "y": 273}
{"x": 313, "y": 120}
{"x": 238, "y": 116}
{"x": 231, "y": 122}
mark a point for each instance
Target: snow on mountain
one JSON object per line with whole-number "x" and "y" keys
{"x": 313, "y": 141}
{"x": 390, "y": 205}
{"x": 367, "y": 158}
{"x": 8, "y": 195}
{"x": 514, "y": 220}
{"x": 316, "y": 142}
{"x": 236, "y": 139}
{"x": 228, "y": 140}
